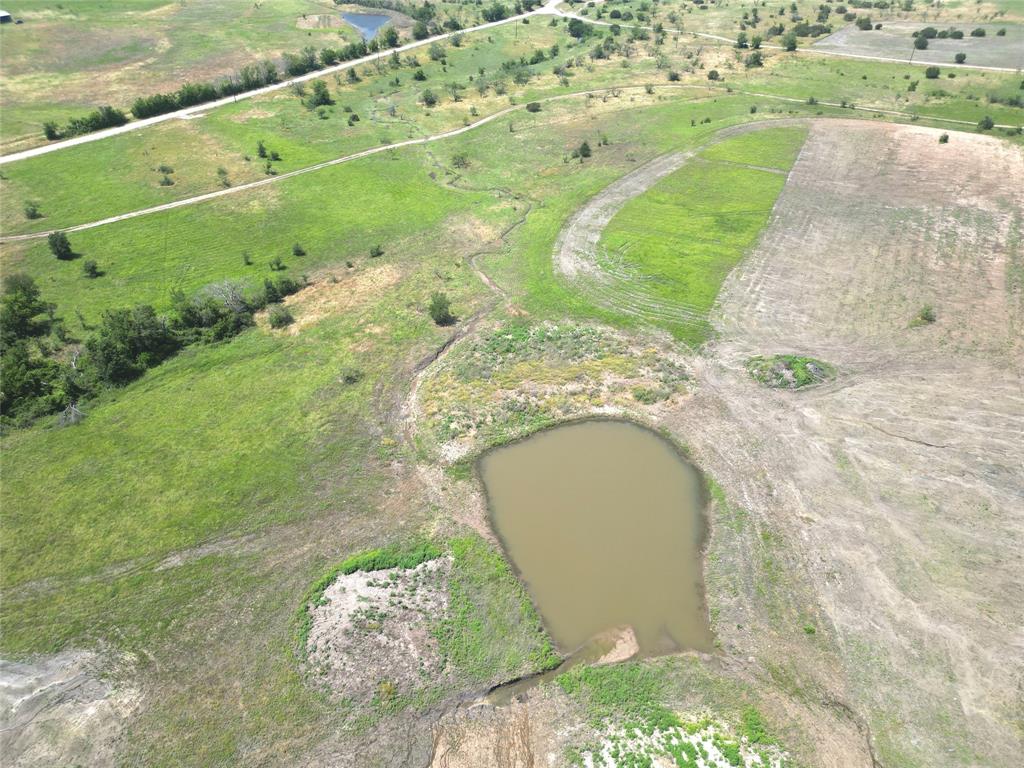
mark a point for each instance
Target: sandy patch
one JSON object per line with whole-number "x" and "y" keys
{"x": 371, "y": 635}
{"x": 334, "y": 292}
{"x": 59, "y": 711}
{"x": 318, "y": 21}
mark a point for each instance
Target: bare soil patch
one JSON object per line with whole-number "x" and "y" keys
{"x": 371, "y": 636}
{"x": 60, "y": 711}
{"x": 895, "y": 490}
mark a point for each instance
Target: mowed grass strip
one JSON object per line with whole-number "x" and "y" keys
{"x": 681, "y": 238}
{"x": 776, "y": 148}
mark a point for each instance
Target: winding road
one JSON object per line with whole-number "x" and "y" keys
{"x": 577, "y": 254}
{"x": 201, "y": 198}
{"x": 549, "y": 8}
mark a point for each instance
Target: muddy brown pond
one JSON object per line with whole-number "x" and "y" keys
{"x": 604, "y": 521}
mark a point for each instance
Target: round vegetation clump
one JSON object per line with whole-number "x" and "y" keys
{"x": 789, "y": 371}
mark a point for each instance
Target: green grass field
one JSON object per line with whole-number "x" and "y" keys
{"x": 68, "y": 58}
{"x": 181, "y": 523}
{"x": 681, "y": 238}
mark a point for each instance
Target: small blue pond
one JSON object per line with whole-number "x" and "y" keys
{"x": 368, "y": 24}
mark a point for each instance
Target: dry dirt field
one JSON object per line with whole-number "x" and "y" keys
{"x": 893, "y": 495}
{"x": 901, "y": 484}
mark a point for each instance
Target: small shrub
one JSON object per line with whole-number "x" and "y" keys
{"x": 932, "y": 73}
{"x": 533, "y": 106}
{"x": 756, "y": 59}
{"x": 978, "y": 32}
{"x": 440, "y": 309}
{"x": 960, "y": 58}
{"x": 166, "y": 181}
{"x": 584, "y": 150}
{"x": 944, "y": 138}
{"x": 375, "y": 251}
{"x": 920, "y": 43}
{"x": 986, "y": 123}
{"x": 165, "y": 169}
{"x": 32, "y": 210}
{"x": 280, "y": 316}
{"x": 90, "y": 269}
{"x": 298, "y": 250}
{"x": 673, "y": 76}
{"x": 925, "y": 316}
{"x": 429, "y": 98}
{"x": 276, "y": 265}
{"x": 274, "y": 156}
{"x": 713, "y": 75}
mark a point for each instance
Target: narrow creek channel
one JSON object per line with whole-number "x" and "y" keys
{"x": 604, "y": 521}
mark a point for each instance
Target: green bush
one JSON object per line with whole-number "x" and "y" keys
{"x": 280, "y": 317}
{"x": 440, "y": 309}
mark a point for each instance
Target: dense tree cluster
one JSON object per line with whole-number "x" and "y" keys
{"x": 45, "y": 370}
{"x": 104, "y": 117}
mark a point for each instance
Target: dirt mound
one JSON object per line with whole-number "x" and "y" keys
{"x": 789, "y": 371}
{"x": 370, "y": 635}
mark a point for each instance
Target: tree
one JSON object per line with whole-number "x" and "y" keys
{"x": 789, "y": 42}
{"x": 320, "y": 97}
{"x": 495, "y": 12}
{"x": 51, "y": 131}
{"x": 429, "y": 98}
{"x": 920, "y": 42}
{"x": 986, "y": 123}
{"x": 713, "y": 75}
{"x": 578, "y": 29}
{"x": 90, "y": 269}
{"x": 533, "y": 106}
{"x": 756, "y": 59}
{"x": 60, "y": 246}
{"x": 20, "y": 305}
{"x": 128, "y": 342}
{"x": 388, "y": 37}
{"x": 420, "y": 31}
{"x": 584, "y": 149}
{"x": 932, "y": 72}
{"x": 440, "y": 309}
{"x": 420, "y": 75}
{"x": 741, "y": 40}
{"x": 978, "y": 32}
{"x": 960, "y": 58}
{"x": 435, "y": 51}
{"x": 261, "y": 148}
{"x": 755, "y": 42}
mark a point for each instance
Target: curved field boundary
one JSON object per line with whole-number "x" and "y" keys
{"x": 577, "y": 254}
{"x": 455, "y": 132}
{"x": 199, "y": 109}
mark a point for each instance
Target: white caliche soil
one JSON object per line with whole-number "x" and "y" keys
{"x": 899, "y": 487}
{"x": 371, "y": 636}
{"x": 58, "y": 711}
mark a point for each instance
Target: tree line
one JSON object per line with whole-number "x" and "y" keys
{"x": 46, "y": 370}
{"x": 249, "y": 78}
